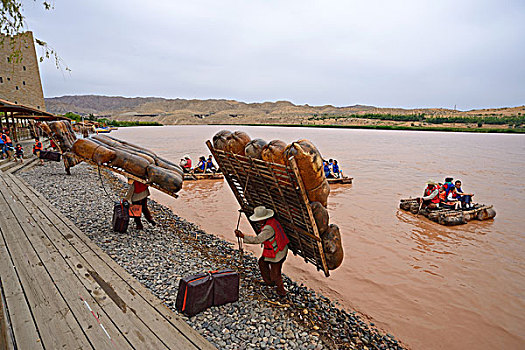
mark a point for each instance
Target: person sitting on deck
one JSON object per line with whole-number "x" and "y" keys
{"x": 209, "y": 164}
{"x": 19, "y": 153}
{"x": 8, "y": 144}
{"x": 464, "y": 198}
{"x": 336, "y": 171}
{"x": 185, "y": 163}
{"x": 37, "y": 148}
{"x": 201, "y": 165}
{"x": 275, "y": 247}
{"x": 2, "y": 148}
{"x": 327, "y": 171}
{"x": 431, "y": 195}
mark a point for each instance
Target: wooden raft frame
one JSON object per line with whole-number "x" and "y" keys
{"x": 281, "y": 188}
{"x": 128, "y": 175}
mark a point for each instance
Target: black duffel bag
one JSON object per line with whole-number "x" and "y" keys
{"x": 50, "y": 155}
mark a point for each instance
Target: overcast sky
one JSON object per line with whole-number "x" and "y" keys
{"x": 413, "y": 53}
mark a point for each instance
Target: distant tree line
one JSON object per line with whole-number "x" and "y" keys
{"x": 512, "y": 120}
{"x": 106, "y": 121}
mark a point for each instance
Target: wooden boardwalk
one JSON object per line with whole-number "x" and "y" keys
{"x": 52, "y": 276}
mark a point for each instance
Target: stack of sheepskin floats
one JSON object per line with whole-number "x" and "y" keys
{"x": 310, "y": 164}
{"x": 131, "y": 158}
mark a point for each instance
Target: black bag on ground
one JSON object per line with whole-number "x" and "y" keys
{"x": 195, "y": 294}
{"x": 120, "y": 219}
{"x": 225, "y": 286}
{"x": 50, "y": 155}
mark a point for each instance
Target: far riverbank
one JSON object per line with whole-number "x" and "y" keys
{"x": 396, "y": 127}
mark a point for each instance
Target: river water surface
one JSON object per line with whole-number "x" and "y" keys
{"x": 432, "y": 286}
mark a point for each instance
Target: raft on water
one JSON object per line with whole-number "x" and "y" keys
{"x": 449, "y": 217}
{"x": 200, "y": 176}
{"x": 290, "y": 180}
{"x": 340, "y": 180}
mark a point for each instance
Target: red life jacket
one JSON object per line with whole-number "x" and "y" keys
{"x": 428, "y": 192}
{"x": 279, "y": 241}
{"x": 139, "y": 187}
{"x": 188, "y": 163}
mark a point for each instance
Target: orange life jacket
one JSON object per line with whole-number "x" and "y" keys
{"x": 38, "y": 146}
{"x": 428, "y": 192}
{"x": 279, "y": 241}
{"x": 6, "y": 138}
{"x": 139, "y": 187}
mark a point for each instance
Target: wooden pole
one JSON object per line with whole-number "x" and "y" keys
{"x": 15, "y": 128}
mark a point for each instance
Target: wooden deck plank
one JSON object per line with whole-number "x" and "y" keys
{"x": 57, "y": 326}
{"x": 63, "y": 276}
{"x": 16, "y": 308}
{"x": 105, "y": 290}
{"x": 135, "y": 295}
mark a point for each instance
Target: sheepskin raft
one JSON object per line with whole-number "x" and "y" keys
{"x": 289, "y": 180}
{"x": 449, "y": 217}
{"x": 130, "y": 160}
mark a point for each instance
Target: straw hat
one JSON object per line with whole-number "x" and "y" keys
{"x": 431, "y": 182}
{"x": 186, "y": 156}
{"x": 261, "y": 213}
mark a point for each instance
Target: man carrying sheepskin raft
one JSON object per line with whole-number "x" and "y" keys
{"x": 315, "y": 188}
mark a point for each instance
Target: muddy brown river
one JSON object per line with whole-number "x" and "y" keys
{"x": 432, "y": 286}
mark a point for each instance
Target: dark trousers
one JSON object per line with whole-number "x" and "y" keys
{"x": 145, "y": 211}
{"x": 271, "y": 274}
{"x": 465, "y": 200}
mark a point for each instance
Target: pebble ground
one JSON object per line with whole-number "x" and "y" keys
{"x": 159, "y": 256}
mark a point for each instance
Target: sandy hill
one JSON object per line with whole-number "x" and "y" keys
{"x": 182, "y": 111}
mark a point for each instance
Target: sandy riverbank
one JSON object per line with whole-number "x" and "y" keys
{"x": 159, "y": 256}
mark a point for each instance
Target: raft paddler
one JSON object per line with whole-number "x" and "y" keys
{"x": 431, "y": 195}
{"x": 275, "y": 247}
{"x": 185, "y": 163}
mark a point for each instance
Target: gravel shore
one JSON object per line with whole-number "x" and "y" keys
{"x": 159, "y": 256}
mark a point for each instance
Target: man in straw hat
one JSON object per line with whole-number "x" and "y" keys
{"x": 275, "y": 247}
{"x": 431, "y": 195}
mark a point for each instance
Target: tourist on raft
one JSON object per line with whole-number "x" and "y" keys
{"x": 336, "y": 170}
{"x": 452, "y": 199}
{"x": 209, "y": 164}
{"x": 275, "y": 247}
{"x": 327, "y": 171}
{"x": 185, "y": 163}
{"x": 464, "y": 198}
{"x": 431, "y": 195}
{"x": 201, "y": 165}
{"x": 138, "y": 193}
{"x": 447, "y": 186}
